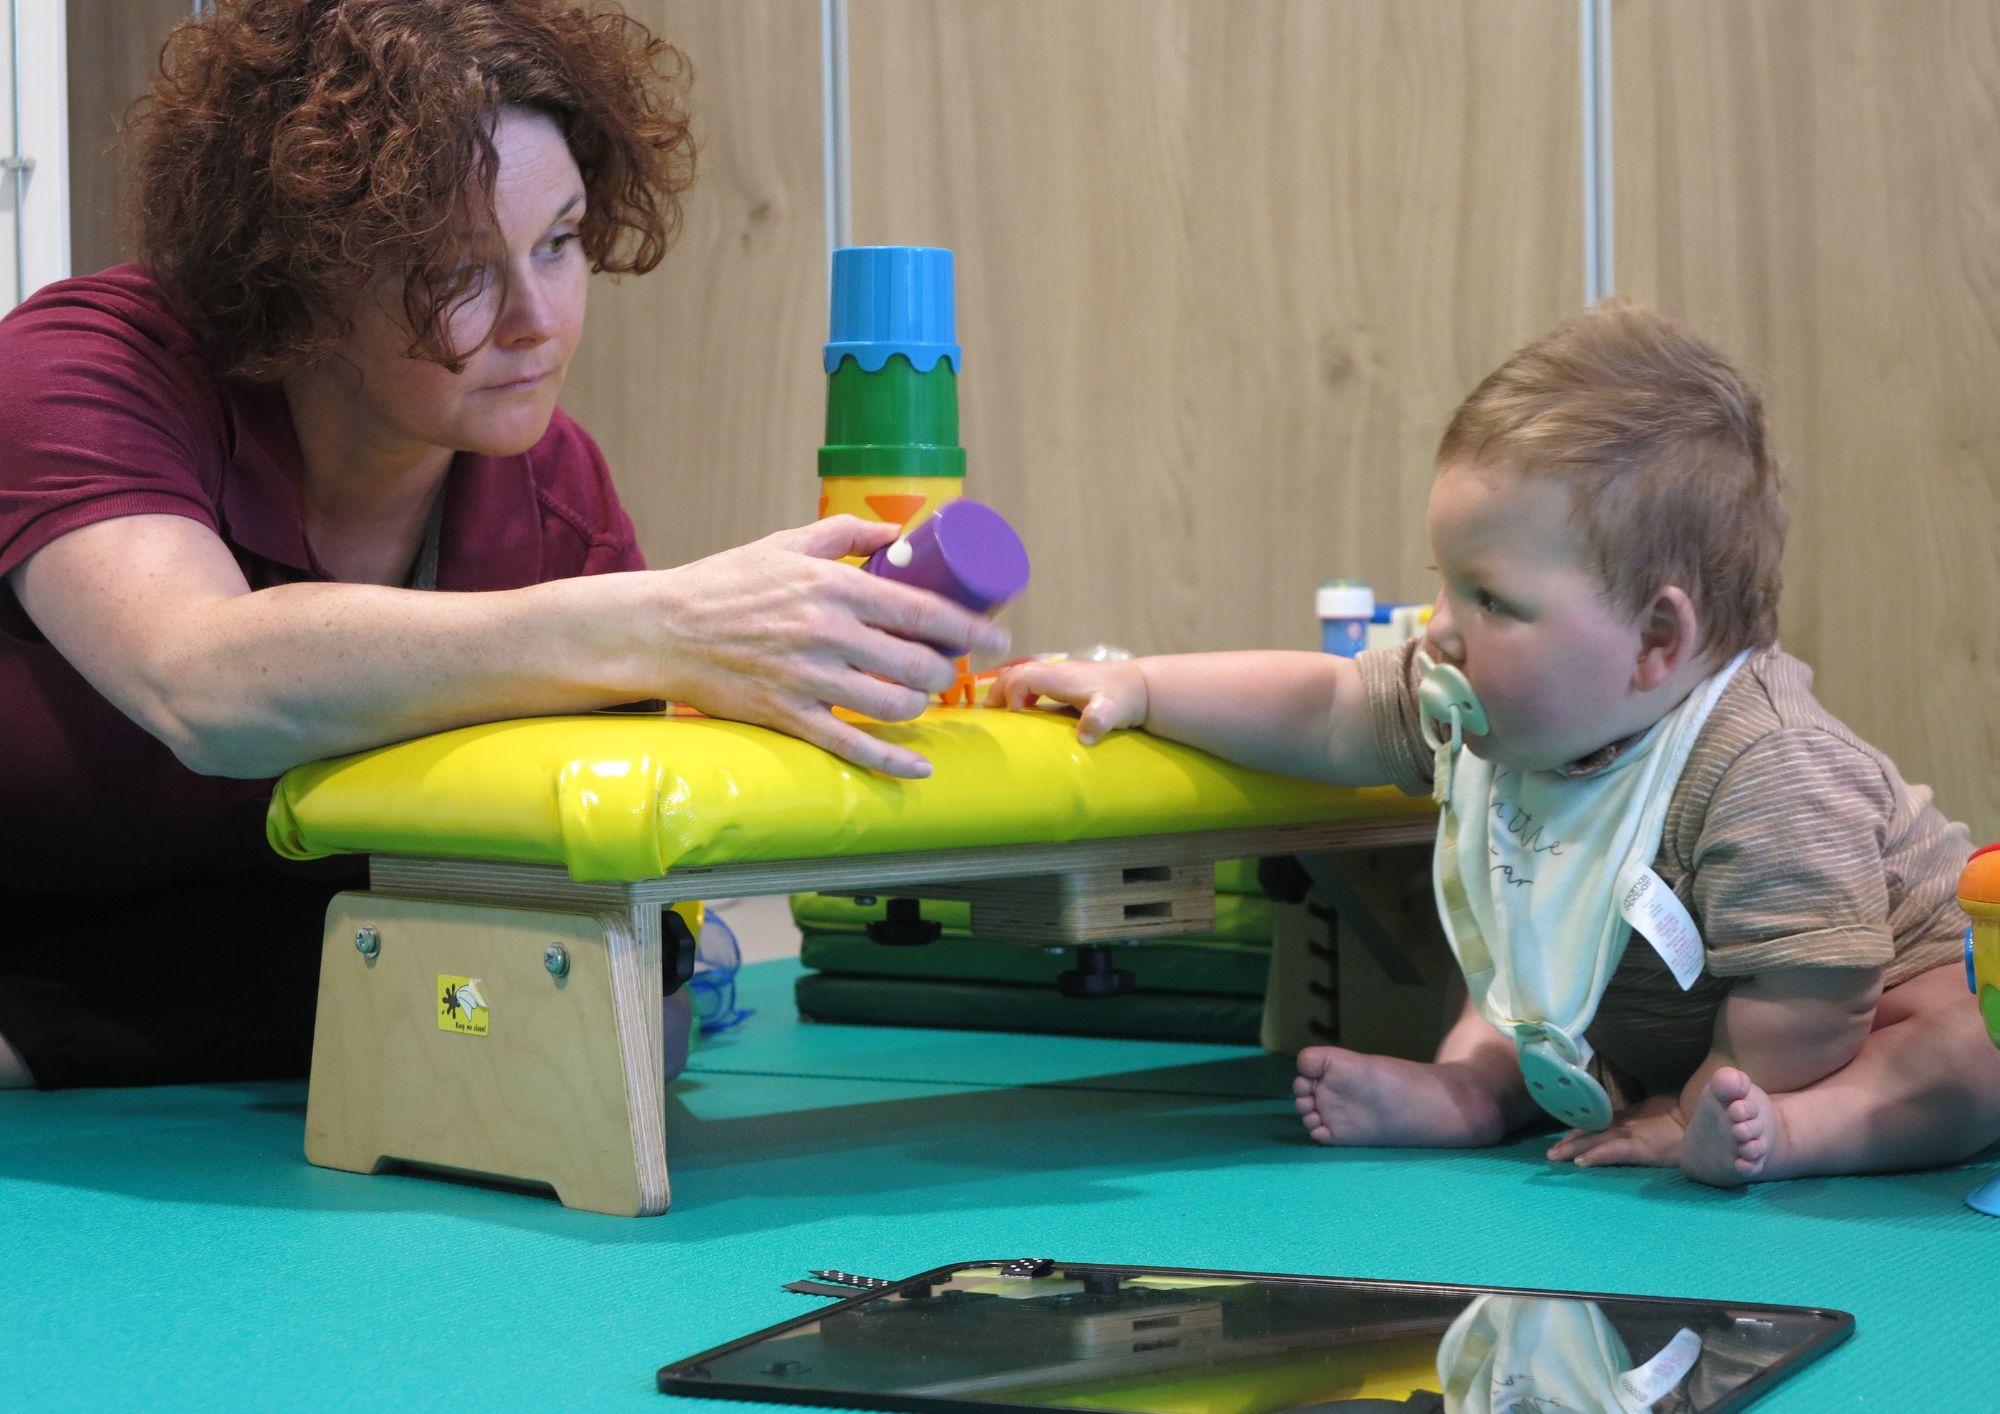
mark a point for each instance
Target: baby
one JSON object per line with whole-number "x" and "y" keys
{"x": 1699, "y": 919}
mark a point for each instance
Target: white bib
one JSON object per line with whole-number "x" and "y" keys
{"x": 1530, "y": 873}
{"x": 1518, "y": 1354}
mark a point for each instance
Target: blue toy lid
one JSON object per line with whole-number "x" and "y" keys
{"x": 893, "y": 299}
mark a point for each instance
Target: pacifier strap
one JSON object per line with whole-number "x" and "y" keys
{"x": 1469, "y": 943}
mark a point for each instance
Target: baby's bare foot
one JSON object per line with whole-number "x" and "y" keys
{"x": 1345, "y": 1097}
{"x": 1734, "y": 1135}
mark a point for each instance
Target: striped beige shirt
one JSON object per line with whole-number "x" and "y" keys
{"x": 1791, "y": 841}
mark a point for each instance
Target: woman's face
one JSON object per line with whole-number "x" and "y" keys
{"x": 521, "y": 324}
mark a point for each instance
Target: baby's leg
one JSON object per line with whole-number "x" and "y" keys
{"x": 1924, "y": 1090}
{"x": 1471, "y": 1095}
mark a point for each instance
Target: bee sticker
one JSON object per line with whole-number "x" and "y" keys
{"x": 461, "y": 1006}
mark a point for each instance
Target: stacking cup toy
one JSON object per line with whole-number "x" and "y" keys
{"x": 1979, "y": 896}
{"x": 964, "y": 550}
{"x": 891, "y": 359}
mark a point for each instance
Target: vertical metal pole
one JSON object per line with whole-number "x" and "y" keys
{"x": 833, "y": 124}
{"x": 17, "y": 163}
{"x": 1599, "y": 244}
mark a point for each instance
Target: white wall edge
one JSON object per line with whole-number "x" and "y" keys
{"x": 41, "y": 99}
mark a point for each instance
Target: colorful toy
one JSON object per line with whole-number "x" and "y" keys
{"x": 892, "y": 449}
{"x": 892, "y": 360}
{"x": 1979, "y": 896}
{"x": 965, "y": 551}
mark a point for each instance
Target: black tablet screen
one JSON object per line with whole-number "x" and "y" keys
{"x": 1081, "y": 1336}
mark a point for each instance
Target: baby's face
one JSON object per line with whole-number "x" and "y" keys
{"x": 1521, "y": 614}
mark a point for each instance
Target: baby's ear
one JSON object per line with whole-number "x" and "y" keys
{"x": 1668, "y": 635}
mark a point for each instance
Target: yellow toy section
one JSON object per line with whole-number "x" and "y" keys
{"x": 623, "y": 798}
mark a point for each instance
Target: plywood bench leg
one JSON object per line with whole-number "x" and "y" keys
{"x": 445, "y": 1040}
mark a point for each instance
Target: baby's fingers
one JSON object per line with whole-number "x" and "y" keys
{"x": 1100, "y": 717}
{"x": 1578, "y": 1142}
{"x": 1020, "y": 686}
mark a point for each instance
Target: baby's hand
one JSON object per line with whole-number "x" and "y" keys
{"x": 1647, "y": 1134}
{"x": 1107, "y": 695}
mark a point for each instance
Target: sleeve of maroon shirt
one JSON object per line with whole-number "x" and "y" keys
{"x": 109, "y": 412}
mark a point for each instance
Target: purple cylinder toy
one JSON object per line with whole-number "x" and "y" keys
{"x": 965, "y": 551}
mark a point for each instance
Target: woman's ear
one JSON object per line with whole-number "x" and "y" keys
{"x": 1668, "y": 633}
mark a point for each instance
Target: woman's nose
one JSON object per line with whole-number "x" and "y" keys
{"x": 530, "y": 314}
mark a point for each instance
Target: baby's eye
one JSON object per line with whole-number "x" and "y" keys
{"x": 1487, "y": 603}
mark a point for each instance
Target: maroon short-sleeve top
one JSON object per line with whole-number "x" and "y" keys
{"x": 108, "y": 409}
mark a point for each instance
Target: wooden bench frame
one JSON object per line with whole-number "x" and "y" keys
{"x": 565, "y": 1089}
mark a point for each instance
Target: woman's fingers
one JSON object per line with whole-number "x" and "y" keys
{"x": 836, "y": 537}
{"x": 873, "y": 697}
{"x": 918, "y": 614}
{"x": 850, "y": 743}
{"x": 915, "y": 665}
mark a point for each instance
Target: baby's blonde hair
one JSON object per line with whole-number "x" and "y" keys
{"x": 1662, "y": 448}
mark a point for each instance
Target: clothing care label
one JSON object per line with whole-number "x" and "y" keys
{"x": 1650, "y": 1381}
{"x": 1662, "y": 920}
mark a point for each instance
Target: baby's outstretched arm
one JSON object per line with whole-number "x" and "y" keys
{"x": 1303, "y": 714}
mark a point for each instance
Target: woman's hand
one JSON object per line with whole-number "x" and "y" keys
{"x": 1106, "y": 695}
{"x": 778, "y": 631}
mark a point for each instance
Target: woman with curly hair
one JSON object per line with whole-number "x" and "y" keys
{"x": 295, "y": 484}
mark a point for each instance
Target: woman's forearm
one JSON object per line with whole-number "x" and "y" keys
{"x": 254, "y": 684}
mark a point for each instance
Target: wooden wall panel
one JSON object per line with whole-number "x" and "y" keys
{"x": 114, "y": 51}
{"x": 1814, "y": 186}
{"x": 1225, "y": 267}
{"x": 702, "y": 380}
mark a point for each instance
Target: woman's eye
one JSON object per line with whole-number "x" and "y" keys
{"x": 558, "y": 244}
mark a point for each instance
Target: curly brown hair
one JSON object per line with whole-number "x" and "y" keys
{"x": 292, "y": 153}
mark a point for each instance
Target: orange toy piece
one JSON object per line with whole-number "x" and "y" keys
{"x": 1979, "y": 896}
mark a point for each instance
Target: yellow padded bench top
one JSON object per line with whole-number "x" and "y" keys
{"x": 624, "y": 798}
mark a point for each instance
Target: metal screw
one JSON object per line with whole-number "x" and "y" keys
{"x": 367, "y": 941}
{"x": 556, "y": 959}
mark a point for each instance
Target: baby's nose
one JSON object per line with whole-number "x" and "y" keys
{"x": 1439, "y": 651}
{"x": 1441, "y": 640}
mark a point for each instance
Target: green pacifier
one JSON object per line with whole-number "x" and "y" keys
{"x": 1553, "y": 1067}
{"x": 1448, "y": 699}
